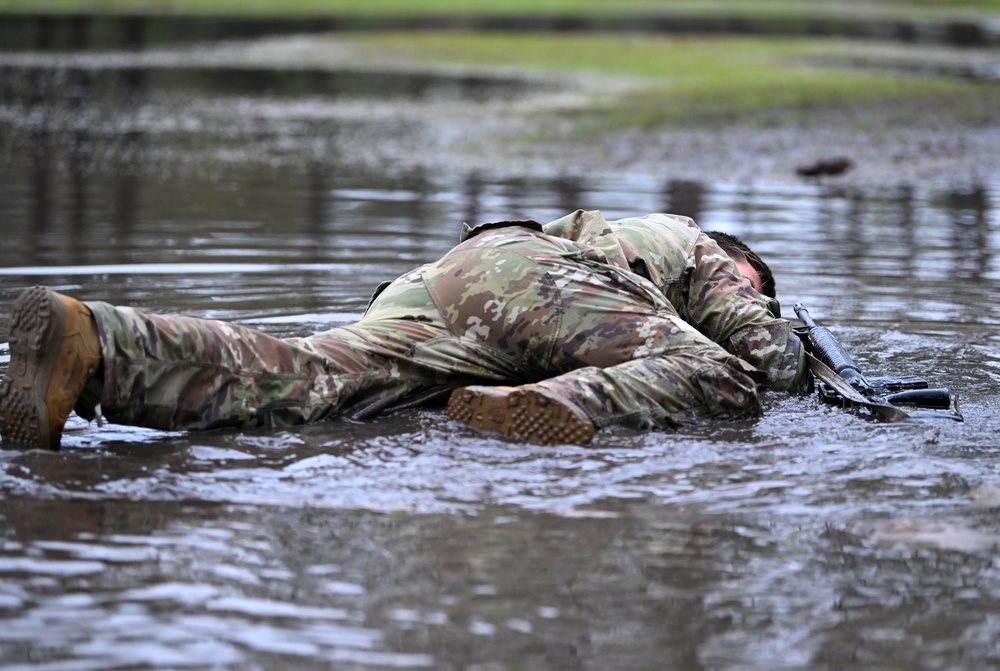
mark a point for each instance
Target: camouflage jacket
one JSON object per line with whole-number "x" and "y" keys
{"x": 701, "y": 282}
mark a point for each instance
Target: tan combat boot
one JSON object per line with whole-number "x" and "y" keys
{"x": 530, "y": 412}
{"x": 54, "y": 350}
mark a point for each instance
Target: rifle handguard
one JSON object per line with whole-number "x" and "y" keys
{"x": 829, "y": 351}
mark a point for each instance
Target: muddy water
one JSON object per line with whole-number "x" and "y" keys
{"x": 811, "y": 538}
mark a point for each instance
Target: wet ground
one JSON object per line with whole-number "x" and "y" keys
{"x": 812, "y": 538}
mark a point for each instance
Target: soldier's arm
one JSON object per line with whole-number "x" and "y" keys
{"x": 725, "y": 307}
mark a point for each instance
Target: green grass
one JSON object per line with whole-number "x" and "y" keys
{"x": 355, "y": 8}
{"x": 691, "y": 80}
{"x": 685, "y": 80}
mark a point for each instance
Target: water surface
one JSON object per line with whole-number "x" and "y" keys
{"x": 811, "y": 538}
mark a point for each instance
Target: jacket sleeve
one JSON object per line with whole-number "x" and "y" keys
{"x": 725, "y": 307}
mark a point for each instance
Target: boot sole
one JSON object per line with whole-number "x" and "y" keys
{"x": 525, "y": 414}
{"x": 24, "y": 416}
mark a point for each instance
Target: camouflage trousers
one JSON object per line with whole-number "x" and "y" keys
{"x": 510, "y": 306}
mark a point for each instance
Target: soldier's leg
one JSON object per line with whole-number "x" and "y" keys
{"x": 174, "y": 372}
{"x": 645, "y": 367}
{"x": 662, "y": 391}
{"x": 683, "y": 382}
{"x": 612, "y": 349}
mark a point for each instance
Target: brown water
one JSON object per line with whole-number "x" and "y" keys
{"x": 809, "y": 539}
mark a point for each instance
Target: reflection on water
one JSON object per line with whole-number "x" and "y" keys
{"x": 811, "y": 538}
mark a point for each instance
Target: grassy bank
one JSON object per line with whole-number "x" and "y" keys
{"x": 683, "y": 80}
{"x": 353, "y": 8}
{"x": 656, "y": 82}
{"x": 669, "y": 81}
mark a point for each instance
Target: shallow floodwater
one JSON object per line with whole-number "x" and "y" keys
{"x": 812, "y": 538}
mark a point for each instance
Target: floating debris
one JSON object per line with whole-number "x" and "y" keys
{"x": 822, "y": 167}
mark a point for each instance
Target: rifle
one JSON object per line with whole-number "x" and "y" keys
{"x": 841, "y": 382}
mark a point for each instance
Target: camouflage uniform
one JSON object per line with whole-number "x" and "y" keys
{"x": 623, "y": 318}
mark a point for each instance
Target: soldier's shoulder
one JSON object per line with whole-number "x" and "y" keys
{"x": 672, "y": 229}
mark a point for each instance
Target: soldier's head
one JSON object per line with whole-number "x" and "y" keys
{"x": 750, "y": 265}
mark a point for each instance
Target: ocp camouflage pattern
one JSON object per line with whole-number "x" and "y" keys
{"x": 643, "y": 322}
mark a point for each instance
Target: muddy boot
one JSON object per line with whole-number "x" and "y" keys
{"x": 54, "y": 351}
{"x": 530, "y": 412}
